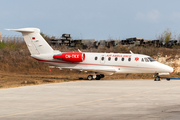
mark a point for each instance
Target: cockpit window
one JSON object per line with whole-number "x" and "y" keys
{"x": 142, "y": 60}
{"x": 146, "y": 59}
{"x": 151, "y": 59}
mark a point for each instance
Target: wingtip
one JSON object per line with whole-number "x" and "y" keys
{"x": 7, "y": 29}
{"x": 11, "y": 29}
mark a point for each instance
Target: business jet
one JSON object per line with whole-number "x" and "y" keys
{"x": 97, "y": 65}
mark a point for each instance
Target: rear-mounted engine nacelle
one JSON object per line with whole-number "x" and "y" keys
{"x": 71, "y": 56}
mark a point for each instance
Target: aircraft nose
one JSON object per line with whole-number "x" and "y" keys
{"x": 169, "y": 69}
{"x": 164, "y": 68}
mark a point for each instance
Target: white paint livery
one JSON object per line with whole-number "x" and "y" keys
{"x": 96, "y": 63}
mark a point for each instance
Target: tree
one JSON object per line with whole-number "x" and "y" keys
{"x": 166, "y": 36}
{"x": 46, "y": 37}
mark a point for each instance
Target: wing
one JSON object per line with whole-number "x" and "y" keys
{"x": 106, "y": 71}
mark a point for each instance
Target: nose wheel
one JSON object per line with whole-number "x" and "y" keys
{"x": 157, "y": 78}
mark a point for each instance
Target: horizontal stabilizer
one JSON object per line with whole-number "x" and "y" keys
{"x": 28, "y": 30}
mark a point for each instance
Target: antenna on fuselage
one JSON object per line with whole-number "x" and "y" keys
{"x": 79, "y": 50}
{"x": 131, "y": 52}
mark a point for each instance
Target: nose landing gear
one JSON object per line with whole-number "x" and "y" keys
{"x": 157, "y": 78}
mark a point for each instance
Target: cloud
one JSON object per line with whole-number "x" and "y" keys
{"x": 175, "y": 16}
{"x": 151, "y": 16}
{"x": 140, "y": 16}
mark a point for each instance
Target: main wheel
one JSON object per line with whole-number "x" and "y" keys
{"x": 102, "y": 75}
{"x": 90, "y": 77}
{"x": 98, "y": 77}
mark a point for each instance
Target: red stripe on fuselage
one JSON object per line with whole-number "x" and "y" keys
{"x": 89, "y": 64}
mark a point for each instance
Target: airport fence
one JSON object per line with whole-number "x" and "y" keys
{"x": 12, "y": 39}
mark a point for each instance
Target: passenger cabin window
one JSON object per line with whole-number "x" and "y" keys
{"x": 96, "y": 58}
{"x": 109, "y": 58}
{"x": 122, "y": 59}
{"x": 129, "y": 59}
{"x": 116, "y": 58}
{"x": 102, "y": 58}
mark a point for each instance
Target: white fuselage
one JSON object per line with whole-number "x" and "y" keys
{"x": 114, "y": 63}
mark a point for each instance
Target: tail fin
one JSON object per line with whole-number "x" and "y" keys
{"x": 34, "y": 41}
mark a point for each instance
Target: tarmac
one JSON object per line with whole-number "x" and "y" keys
{"x": 93, "y": 100}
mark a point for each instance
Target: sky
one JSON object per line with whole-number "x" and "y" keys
{"x": 92, "y": 19}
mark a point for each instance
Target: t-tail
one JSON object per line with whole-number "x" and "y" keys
{"x": 35, "y": 42}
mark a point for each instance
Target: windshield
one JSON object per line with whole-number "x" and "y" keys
{"x": 148, "y": 59}
{"x": 151, "y": 59}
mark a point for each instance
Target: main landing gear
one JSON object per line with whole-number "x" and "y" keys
{"x": 97, "y": 77}
{"x": 90, "y": 77}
